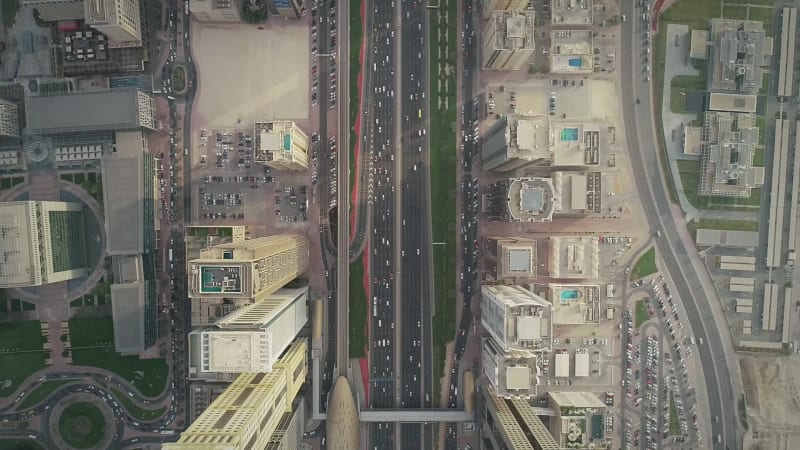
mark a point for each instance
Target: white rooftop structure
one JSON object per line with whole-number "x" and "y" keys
{"x": 516, "y": 317}
{"x": 251, "y": 338}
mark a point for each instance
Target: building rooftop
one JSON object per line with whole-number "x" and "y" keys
{"x": 727, "y": 161}
{"x": 515, "y": 317}
{"x": 342, "y": 422}
{"x": 698, "y": 49}
{"x": 573, "y": 399}
{"x": 531, "y": 199}
{"x": 692, "y": 140}
{"x": 733, "y": 102}
{"x": 511, "y": 258}
{"x": 738, "y": 51}
{"x": 123, "y": 192}
{"x": 514, "y": 30}
{"x": 571, "y": 12}
{"x": 18, "y": 244}
{"x": 575, "y": 144}
{"x": 571, "y": 51}
{"x": 127, "y": 304}
{"x": 79, "y": 112}
{"x": 708, "y": 238}
{"x": 574, "y": 257}
{"x": 574, "y": 304}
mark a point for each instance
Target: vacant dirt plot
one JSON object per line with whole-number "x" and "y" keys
{"x": 246, "y": 74}
{"x": 772, "y": 392}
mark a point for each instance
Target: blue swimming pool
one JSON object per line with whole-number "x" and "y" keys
{"x": 569, "y": 294}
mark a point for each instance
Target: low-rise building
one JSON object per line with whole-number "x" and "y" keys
{"x": 571, "y": 12}
{"x": 729, "y": 144}
{"x": 281, "y": 145}
{"x": 215, "y": 10}
{"x": 574, "y": 257}
{"x": 571, "y": 52}
{"x": 510, "y": 423}
{"x": 42, "y": 242}
{"x": 579, "y": 420}
{"x": 736, "y": 58}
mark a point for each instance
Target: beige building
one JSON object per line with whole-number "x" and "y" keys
{"x": 511, "y": 423}
{"x": 117, "y": 19}
{"x": 489, "y": 6}
{"x": 9, "y": 119}
{"x": 511, "y": 258}
{"x": 250, "y": 338}
{"x": 571, "y": 52}
{"x": 281, "y": 145}
{"x": 252, "y": 269}
{"x": 42, "y": 242}
{"x": 574, "y": 257}
{"x": 508, "y": 40}
{"x": 531, "y": 199}
{"x": 251, "y": 410}
{"x": 574, "y": 304}
{"x": 516, "y": 142}
{"x": 54, "y": 10}
{"x": 572, "y": 426}
{"x": 215, "y": 10}
{"x": 511, "y": 374}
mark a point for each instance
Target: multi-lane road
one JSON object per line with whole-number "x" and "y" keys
{"x": 697, "y": 297}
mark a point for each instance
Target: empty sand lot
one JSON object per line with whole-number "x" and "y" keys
{"x": 246, "y": 74}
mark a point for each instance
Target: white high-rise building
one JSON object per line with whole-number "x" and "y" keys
{"x": 119, "y": 20}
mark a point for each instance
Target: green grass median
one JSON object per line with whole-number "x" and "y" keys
{"x": 135, "y": 410}
{"x": 646, "y": 265}
{"x": 41, "y": 392}
{"x": 641, "y": 315}
{"x": 443, "y": 178}
{"x": 358, "y": 311}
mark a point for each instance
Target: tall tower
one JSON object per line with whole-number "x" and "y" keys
{"x": 252, "y": 269}
{"x": 252, "y": 408}
{"x": 119, "y": 20}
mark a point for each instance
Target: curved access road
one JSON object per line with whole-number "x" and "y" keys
{"x": 692, "y": 283}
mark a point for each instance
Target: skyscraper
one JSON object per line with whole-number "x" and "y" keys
{"x": 249, "y": 339}
{"x": 251, "y": 269}
{"x": 253, "y": 407}
{"x": 119, "y": 20}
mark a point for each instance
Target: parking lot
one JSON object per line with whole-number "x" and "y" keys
{"x": 231, "y": 189}
{"x": 657, "y": 381}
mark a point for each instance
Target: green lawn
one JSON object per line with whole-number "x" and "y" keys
{"x": 10, "y": 8}
{"x": 689, "y": 82}
{"x": 732, "y": 225}
{"x": 91, "y": 331}
{"x": 138, "y": 413}
{"x": 179, "y": 78}
{"x": 735, "y": 12}
{"x": 674, "y": 421}
{"x": 443, "y": 183}
{"x": 17, "y": 367}
{"x": 148, "y": 376}
{"x": 356, "y": 36}
{"x": 19, "y": 336}
{"x": 359, "y": 311}
{"x": 41, "y": 392}
{"x": 763, "y": 15}
{"x": 96, "y": 335}
{"x": 677, "y": 102}
{"x": 82, "y": 425}
{"x": 641, "y": 315}
{"x": 761, "y": 123}
{"x": 20, "y": 444}
{"x": 646, "y": 265}
{"x": 753, "y": 2}
{"x": 758, "y": 155}
{"x": 695, "y": 13}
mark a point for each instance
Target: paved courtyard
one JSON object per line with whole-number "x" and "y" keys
{"x": 247, "y": 74}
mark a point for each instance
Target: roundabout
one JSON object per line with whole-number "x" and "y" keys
{"x": 82, "y": 421}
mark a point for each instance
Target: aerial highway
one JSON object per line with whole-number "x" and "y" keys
{"x": 413, "y": 223}
{"x": 699, "y": 298}
{"x": 380, "y": 62}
